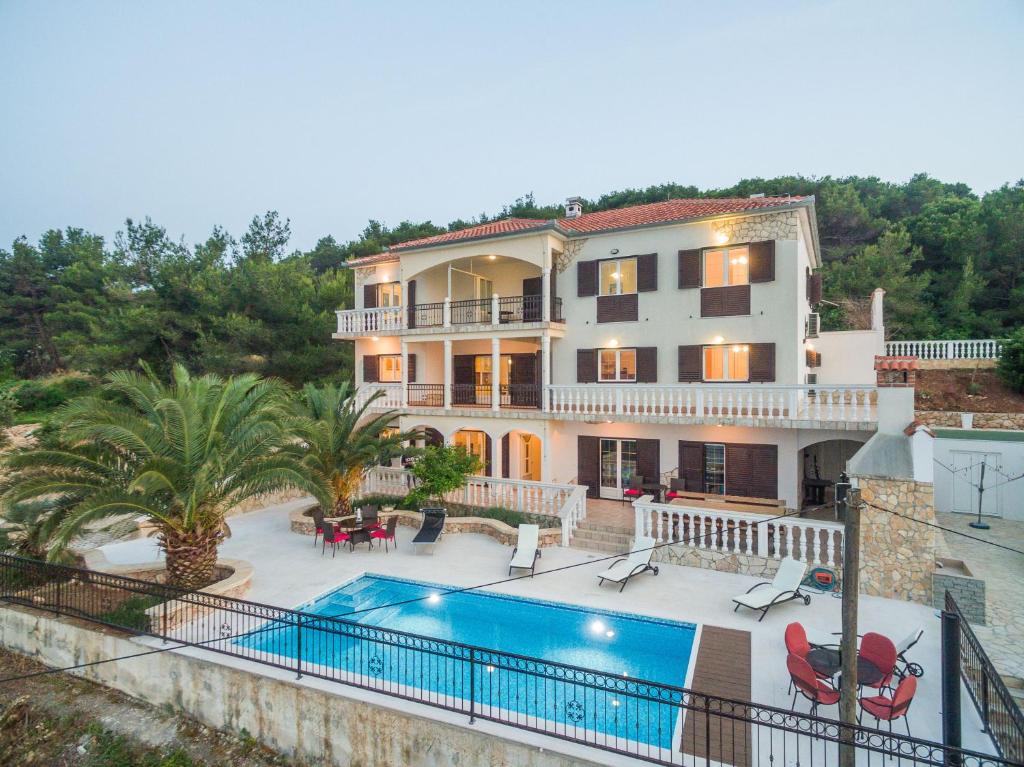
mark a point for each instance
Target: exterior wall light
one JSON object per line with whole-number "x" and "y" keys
{"x": 721, "y": 238}
{"x": 613, "y": 343}
{"x": 717, "y": 340}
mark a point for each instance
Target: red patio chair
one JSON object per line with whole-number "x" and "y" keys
{"x": 677, "y": 486}
{"x": 333, "y": 536}
{"x": 634, "y": 490}
{"x": 318, "y": 524}
{"x": 797, "y": 644}
{"x": 881, "y": 653}
{"x": 818, "y": 692}
{"x": 386, "y": 534}
{"x": 885, "y": 709}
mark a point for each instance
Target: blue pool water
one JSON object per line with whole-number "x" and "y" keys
{"x": 624, "y": 647}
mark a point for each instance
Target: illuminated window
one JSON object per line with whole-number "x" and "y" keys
{"x": 726, "y": 266}
{"x": 390, "y": 368}
{"x": 474, "y": 442}
{"x": 714, "y": 469}
{"x": 618, "y": 277}
{"x": 389, "y": 294}
{"x": 727, "y": 363}
{"x": 617, "y": 365}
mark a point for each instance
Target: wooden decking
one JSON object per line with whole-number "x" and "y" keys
{"x": 723, "y": 670}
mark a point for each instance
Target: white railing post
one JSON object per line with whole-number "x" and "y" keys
{"x": 446, "y": 312}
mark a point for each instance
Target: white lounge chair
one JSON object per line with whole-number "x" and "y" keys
{"x": 526, "y": 553}
{"x": 638, "y": 561}
{"x": 783, "y": 587}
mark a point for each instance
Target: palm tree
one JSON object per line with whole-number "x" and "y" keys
{"x": 339, "y": 440}
{"x": 180, "y": 454}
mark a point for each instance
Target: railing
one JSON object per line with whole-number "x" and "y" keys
{"x": 567, "y": 502}
{"x": 811, "y": 541}
{"x": 999, "y": 713}
{"x": 471, "y": 394}
{"x": 380, "y": 320}
{"x": 658, "y": 723}
{"x": 766, "y": 402}
{"x": 977, "y": 349}
{"x": 392, "y": 395}
{"x": 426, "y": 395}
{"x": 520, "y": 395}
{"x": 428, "y": 315}
{"x": 474, "y": 311}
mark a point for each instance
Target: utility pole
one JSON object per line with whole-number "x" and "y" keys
{"x": 849, "y": 499}
{"x": 978, "y": 524}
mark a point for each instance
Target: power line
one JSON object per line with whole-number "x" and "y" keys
{"x": 400, "y": 603}
{"x": 945, "y": 529}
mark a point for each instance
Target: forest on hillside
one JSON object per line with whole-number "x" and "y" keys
{"x": 951, "y": 261}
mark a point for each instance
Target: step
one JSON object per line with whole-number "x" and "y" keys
{"x": 597, "y": 535}
{"x": 599, "y": 547}
{"x": 625, "y": 527}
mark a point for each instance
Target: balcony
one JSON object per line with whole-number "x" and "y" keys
{"x": 835, "y": 407}
{"x": 507, "y": 311}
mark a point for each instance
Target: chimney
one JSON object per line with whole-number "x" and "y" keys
{"x": 573, "y": 207}
{"x": 896, "y": 377}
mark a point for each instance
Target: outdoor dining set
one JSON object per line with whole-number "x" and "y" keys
{"x": 886, "y": 680}
{"x": 363, "y": 527}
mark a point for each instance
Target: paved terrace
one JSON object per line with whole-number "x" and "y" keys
{"x": 289, "y": 571}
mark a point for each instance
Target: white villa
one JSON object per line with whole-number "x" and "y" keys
{"x": 671, "y": 340}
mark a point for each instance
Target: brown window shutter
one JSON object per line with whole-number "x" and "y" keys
{"x": 736, "y": 300}
{"x": 689, "y": 268}
{"x": 370, "y": 368}
{"x": 712, "y": 302}
{"x": 618, "y": 308}
{"x": 691, "y": 465}
{"x": 369, "y": 296}
{"x": 762, "y": 363}
{"x": 410, "y": 302}
{"x": 764, "y": 474}
{"x": 647, "y": 364}
{"x": 648, "y": 459}
{"x": 586, "y": 278}
{"x": 506, "y": 463}
{"x": 586, "y": 366}
{"x": 411, "y": 378}
{"x": 588, "y": 464}
{"x": 488, "y": 455}
{"x": 814, "y": 289}
{"x": 739, "y": 466}
{"x": 762, "y": 261}
{"x": 647, "y": 272}
{"x": 691, "y": 367}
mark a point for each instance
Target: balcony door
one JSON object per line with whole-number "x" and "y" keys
{"x": 618, "y": 465}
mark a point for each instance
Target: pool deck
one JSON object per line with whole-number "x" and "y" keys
{"x": 289, "y": 571}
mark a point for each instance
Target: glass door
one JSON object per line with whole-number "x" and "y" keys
{"x": 618, "y": 465}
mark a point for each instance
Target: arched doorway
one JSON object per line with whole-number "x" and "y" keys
{"x": 477, "y": 443}
{"x": 820, "y": 465}
{"x": 521, "y": 455}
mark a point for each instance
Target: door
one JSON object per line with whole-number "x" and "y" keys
{"x": 967, "y": 479}
{"x": 618, "y": 465}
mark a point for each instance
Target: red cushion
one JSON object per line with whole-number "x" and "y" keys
{"x": 379, "y": 534}
{"x": 671, "y": 494}
{"x": 631, "y": 491}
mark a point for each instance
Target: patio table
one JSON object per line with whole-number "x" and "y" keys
{"x": 654, "y": 488}
{"x": 828, "y": 662}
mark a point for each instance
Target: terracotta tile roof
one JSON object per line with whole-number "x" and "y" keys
{"x": 504, "y": 226}
{"x": 376, "y": 258}
{"x": 895, "y": 363}
{"x": 670, "y": 210}
{"x": 916, "y": 426}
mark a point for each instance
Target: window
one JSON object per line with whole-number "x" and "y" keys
{"x": 616, "y": 365}
{"x": 390, "y": 368}
{"x": 726, "y": 266}
{"x": 474, "y": 442}
{"x": 618, "y": 277}
{"x": 727, "y": 363}
{"x": 389, "y": 294}
{"x": 714, "y": 469}
{"x": 482, "y": 370}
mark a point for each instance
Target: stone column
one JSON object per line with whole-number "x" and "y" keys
{"x": 545, "y": 369}
{"x": 496, "y": 458}
{"x": 405, "y": 374}
{"x": 495, "y": 371}
{"x": 545, "y": 294}
{"x": 447, "y": 394}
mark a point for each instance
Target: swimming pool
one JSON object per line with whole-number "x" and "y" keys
{"x": 622, "y": 646}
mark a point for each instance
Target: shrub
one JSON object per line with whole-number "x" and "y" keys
{"x": 46, "y": 394}
{"x": 1011, "y": 361}
{"x": 441, "y": 470}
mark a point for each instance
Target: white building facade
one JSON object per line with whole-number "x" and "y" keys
{"x": 676, "y": 340}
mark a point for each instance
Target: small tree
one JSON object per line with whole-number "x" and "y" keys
{"x": 441, "y": 470}
{"x": 1011, "y": 361}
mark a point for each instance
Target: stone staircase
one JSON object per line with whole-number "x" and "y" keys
{"x": 607, "y": 539}
{"x": 1015, "y": 686}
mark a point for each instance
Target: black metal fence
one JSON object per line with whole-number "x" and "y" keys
{"x": 426, "y": 395}
{"x": 999, "y": 712}
{"x": 480, "y": 311}
{"x": 658, "y": 723}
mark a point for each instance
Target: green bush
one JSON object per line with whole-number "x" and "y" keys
{"x": 383, "y": 500}
{"x": 1011, "y": 361}
{"x": 131, "y": 614}
{"x": 46, "y": 394}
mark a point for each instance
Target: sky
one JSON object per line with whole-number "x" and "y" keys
{"x": 199, "y": 114}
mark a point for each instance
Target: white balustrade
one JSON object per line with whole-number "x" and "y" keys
{"x": 392, "y": 395}
{"x": 755, "y": 401}
{"x": 568, "y": 503}
{"x": 370, "y": 321}
{"x": 816, "y": 542}
{"x": 963, "y": 349}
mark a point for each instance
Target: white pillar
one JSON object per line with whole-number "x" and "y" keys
{"x": 447, "y": 394}
{"x": 496, "y": 458}
{"x": 495, "y": 315}
{"x": 877, "y": 311}
{"x": 545, "y": 294}
{"x": 407, "y": 308}
{"x": 405, "y": 374}
{"x": 495, "y": 370}
{"x": 545, "y": 370}
{"x": 446, "y": 312}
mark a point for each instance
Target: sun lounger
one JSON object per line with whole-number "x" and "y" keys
{"x": 784, "y": 587}
{"x": 638, "y": 561}
{"x": 904, "y": 666}
{"x": 526, "y": 553}
{"x": 430, "y": 531}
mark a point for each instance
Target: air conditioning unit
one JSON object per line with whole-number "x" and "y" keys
{"x": 813, "y": 325}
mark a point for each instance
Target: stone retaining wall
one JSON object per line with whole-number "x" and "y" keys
{"x": 968, "y": 591}
{"x": 311, "y": 721}
{"x": 981, "y": 420}
{"x": 722, "y": 561}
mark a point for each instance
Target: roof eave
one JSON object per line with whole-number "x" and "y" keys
{"x": 546, "y": 227}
